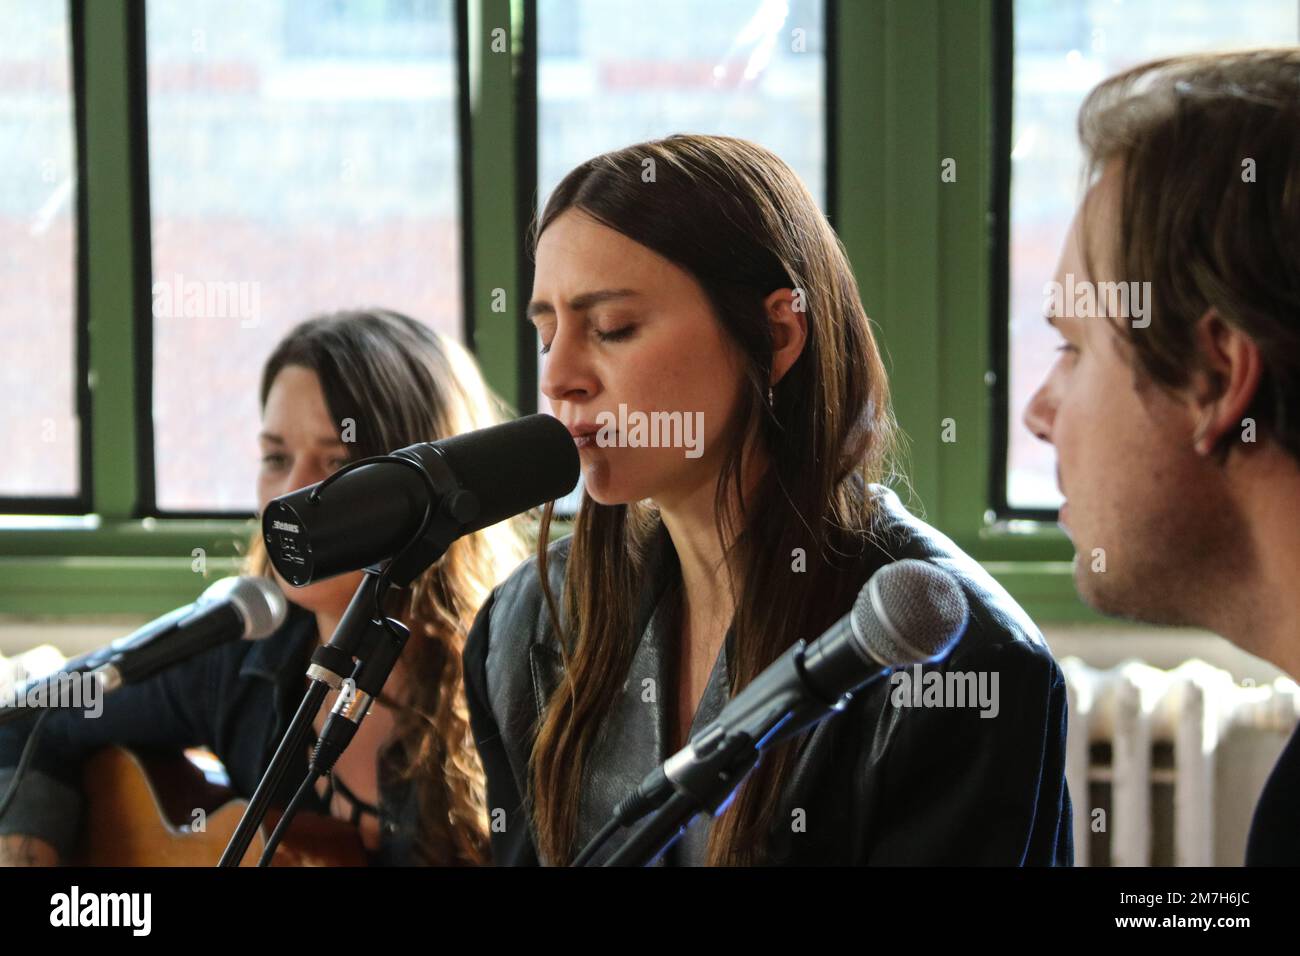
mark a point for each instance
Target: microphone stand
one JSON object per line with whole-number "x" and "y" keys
{"x": 330, "y": 664}
{"x": 705, "y": 774}
{"x": 657, "y": 833}
{"x": 362, "y": 626}
{"x": 705, "y": 779}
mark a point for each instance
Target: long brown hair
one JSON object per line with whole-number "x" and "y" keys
{"x": 741, "y": 222}
{"x": 1209, "y": 213}
{"x": 402, "y": 383}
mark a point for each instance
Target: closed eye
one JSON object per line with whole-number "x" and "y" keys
{"x": 615, "y": 335}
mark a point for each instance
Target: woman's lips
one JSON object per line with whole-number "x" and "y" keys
{"x": 584, "y": 436}
{"x": 589, "y": 441}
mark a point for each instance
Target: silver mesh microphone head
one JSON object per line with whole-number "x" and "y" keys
{"x": 910, "y": 612}
{"x": 259, "y": 601}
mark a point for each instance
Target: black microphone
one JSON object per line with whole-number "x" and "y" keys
{"x": 909, "y": 612}
{"x": 246, "y": 607}
{"x": 374, "y": 510}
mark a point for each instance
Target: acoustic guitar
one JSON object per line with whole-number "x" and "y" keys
{"x": 153, "y": 810}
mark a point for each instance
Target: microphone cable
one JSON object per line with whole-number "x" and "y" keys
{"x": 282, "y": 827}
{"x": 24, "y": 760}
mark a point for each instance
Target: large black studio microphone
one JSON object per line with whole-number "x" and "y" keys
{"x": 246, "y": 607}
{"x": 909, "y": 612}
{"x": 401, "y": 511}
{"x": 373, "y": 511}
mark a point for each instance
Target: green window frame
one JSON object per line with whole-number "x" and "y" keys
{"x": 910, "y": 83}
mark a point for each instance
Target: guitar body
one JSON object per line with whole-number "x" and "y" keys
{"x": 147, "y": 810}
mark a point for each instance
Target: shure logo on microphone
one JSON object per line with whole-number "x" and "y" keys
{"x": 283, "y": 526}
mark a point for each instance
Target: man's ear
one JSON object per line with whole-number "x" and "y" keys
{"x": 1226, "y": 383}
{"x": 787, "y": 313}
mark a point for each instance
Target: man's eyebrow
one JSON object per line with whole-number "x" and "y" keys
{"x": 580, "y": 303}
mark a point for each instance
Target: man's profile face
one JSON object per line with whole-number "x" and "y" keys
{"x": 1146, "y": 514}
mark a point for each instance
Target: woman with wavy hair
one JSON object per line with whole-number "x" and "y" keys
{"x": 696, "y": 277}
{"x": 337, "y": 388}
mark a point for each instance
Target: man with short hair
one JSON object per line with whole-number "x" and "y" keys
{"x": 1175, "y": 408}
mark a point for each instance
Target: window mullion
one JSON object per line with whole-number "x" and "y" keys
{"x": 112, "y": 261}
{"x": 495, "y": 297}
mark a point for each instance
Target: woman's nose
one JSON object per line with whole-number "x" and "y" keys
{"x": 567, "y": 374}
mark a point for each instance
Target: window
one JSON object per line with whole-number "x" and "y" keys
{"x": 40, "y": 428}
{"x": 616, "y": 72}
{"x": 302, "y": 158}
{"x": 1062, "y": 49}
{"x": 750, "y": 68}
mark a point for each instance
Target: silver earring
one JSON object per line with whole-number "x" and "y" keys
{"x": 771, "y": 397}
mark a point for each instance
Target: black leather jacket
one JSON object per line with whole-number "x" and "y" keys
{"x": 879, "y": 783}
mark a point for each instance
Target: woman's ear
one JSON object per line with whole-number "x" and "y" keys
{"x": 788, "y": 315}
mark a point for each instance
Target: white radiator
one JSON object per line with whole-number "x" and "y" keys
{"x": 35, "y": 662}
{"x": 1134, "y": 707}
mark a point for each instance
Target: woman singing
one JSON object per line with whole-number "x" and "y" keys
{"x": 696, "y": 275}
